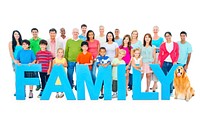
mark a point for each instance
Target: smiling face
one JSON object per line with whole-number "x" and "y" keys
{"x": 35, "y": 33}
{"x": 16, "y": 36}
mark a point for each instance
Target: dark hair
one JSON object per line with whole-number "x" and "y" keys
{"x": 34, "y": 29}
{"x": 26, "y": 41}
{"x": 183, "y": 32}
{"x": 52, "y": 30}
{"x": 88, "y": 34}
{"x": 144, "y": 42}
{"x": 167, "y": 33}
{"x": 43, "y": 42}
{"x": 102, "y": 48}
{"x": 84, "y": 43}
{"x": 14, "y": 43}
{"x": 83, "y": 25}
{"x": 113, "y": 39}
{"x": 129, "y": 43}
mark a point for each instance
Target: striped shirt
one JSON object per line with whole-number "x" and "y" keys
{"x": 44, "y": 58}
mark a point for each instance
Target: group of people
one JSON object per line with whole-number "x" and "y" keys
{"x": 102, "y": 50}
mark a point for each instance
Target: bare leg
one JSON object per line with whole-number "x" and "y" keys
{"x": 148, "y": 76}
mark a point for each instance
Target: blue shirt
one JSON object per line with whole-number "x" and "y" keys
{"x": 157, "y": 42}
{"x": 184, "y": 50}
{"x": 119, "y": 41}
{"x": 82, "y": 37}
{"x": 103, "y": 59}
{"x": 17, "y": 49}
{"x": 147, "y": 54}
{"x": 138, "y": 44}
{"x": 26, "y": 56}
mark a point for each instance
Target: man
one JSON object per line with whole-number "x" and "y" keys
{"x": 63, "y": 39}
{"x": 73, "y": 48}
{"x": 53, "y": 43}
{"x": 185, "y": 50}
{"x": 82, "y": 36}
{"x": 118, "y": 40}
{"x": 34, "y": 45}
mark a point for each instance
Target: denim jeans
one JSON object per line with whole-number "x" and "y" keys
{"x": 166, "y": 68}
{"x": 70, "y": 72}
{"x": 94, "y": 67}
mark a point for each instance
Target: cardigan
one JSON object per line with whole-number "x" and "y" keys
{"x": 174, "y": 54}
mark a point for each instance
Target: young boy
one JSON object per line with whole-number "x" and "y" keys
{"x": 115, "y": 63}
{"x": 44, "y": 57}
{"x": 102, "y": 60}
{"x": 85, "y": 57}
{"x": 26, "y": 56}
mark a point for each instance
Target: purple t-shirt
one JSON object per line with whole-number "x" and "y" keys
{"x": 127, "y": 57}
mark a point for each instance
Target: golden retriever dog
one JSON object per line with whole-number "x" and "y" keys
{"x": 182, "y": 87}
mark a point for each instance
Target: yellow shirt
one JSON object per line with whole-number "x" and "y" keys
{"x": 59, "y": 61}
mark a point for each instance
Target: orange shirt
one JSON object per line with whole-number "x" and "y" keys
{"x": 85, "y": 58}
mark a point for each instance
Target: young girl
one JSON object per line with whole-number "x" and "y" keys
{"x": 126, "y": 45}
{"x": 148, "y": 57}
{"x": 60, "y": 60}
{"x": 136, "y": 62}
{"x": 115, "y": 63}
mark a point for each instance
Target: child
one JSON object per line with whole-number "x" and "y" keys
{"x": 148, "y": 57}
{"x": 115, "y": 63}
{"x": 60, "y": 60}
{"x": 102, "y": 60}
{"x": 44, "y": 57}
{"x": 136, "y": 62}
{"x": 26, "y": 56}
{"x": 126, "y": 45}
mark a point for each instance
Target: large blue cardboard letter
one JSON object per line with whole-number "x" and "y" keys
{"x": 21, "y": 81}
{"x": 58, "y": 71}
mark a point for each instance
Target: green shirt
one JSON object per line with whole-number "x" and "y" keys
{"x": 72, "y": 49}
{"x": 34, "y": 45}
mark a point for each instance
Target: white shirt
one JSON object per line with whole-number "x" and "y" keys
{"x": 169, "y": 47}
{"x": 110, "y": 49}
{"x": 63, "y": 41}
{"x": 137, "y": 61}
{"x": 102, "y": 40}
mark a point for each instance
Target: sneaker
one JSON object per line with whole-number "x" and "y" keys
{"x": 61, "y": 95}
{"x": 57, "y": 95}
{"x": 101, "y": 96}
{"x": 30, "y": 94}
{"x": 171, "y": 95}
{"x": 114, "y": 95}
{"x": 40, "y": 94}
{"x": 38, "y": 87}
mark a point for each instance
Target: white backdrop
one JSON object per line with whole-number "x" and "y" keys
{"x": 169, "y": 15}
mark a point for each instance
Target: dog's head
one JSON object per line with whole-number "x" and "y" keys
{"x": 180, "y": 72}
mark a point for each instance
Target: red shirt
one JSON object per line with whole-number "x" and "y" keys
{"x": 44, "y": 58}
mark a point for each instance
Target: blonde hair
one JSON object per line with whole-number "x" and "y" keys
{"x": 61, "y": 49}
{"x": 121, "y": 51}
{"x": 137, "y": 49}
{"x": 132, "y": 33}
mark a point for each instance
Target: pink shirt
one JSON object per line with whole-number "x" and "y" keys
{"x": 127, "y": 57}
{"x": 53, "y": 48}
{"x": 93, "y": 48}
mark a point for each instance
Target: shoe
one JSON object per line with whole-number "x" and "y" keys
{"x": 61, "y": 95}
{"x": 30, "y": 94}
{"x": 57, "y": 95}
{"x": 114, "y": 95}
{"x": 40, "y": 94}
{"x": 171, "y": 95}
{"x": 101, "y": 96}
{"x": 152, "y": 88}
{"x": 38, "y": 88}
